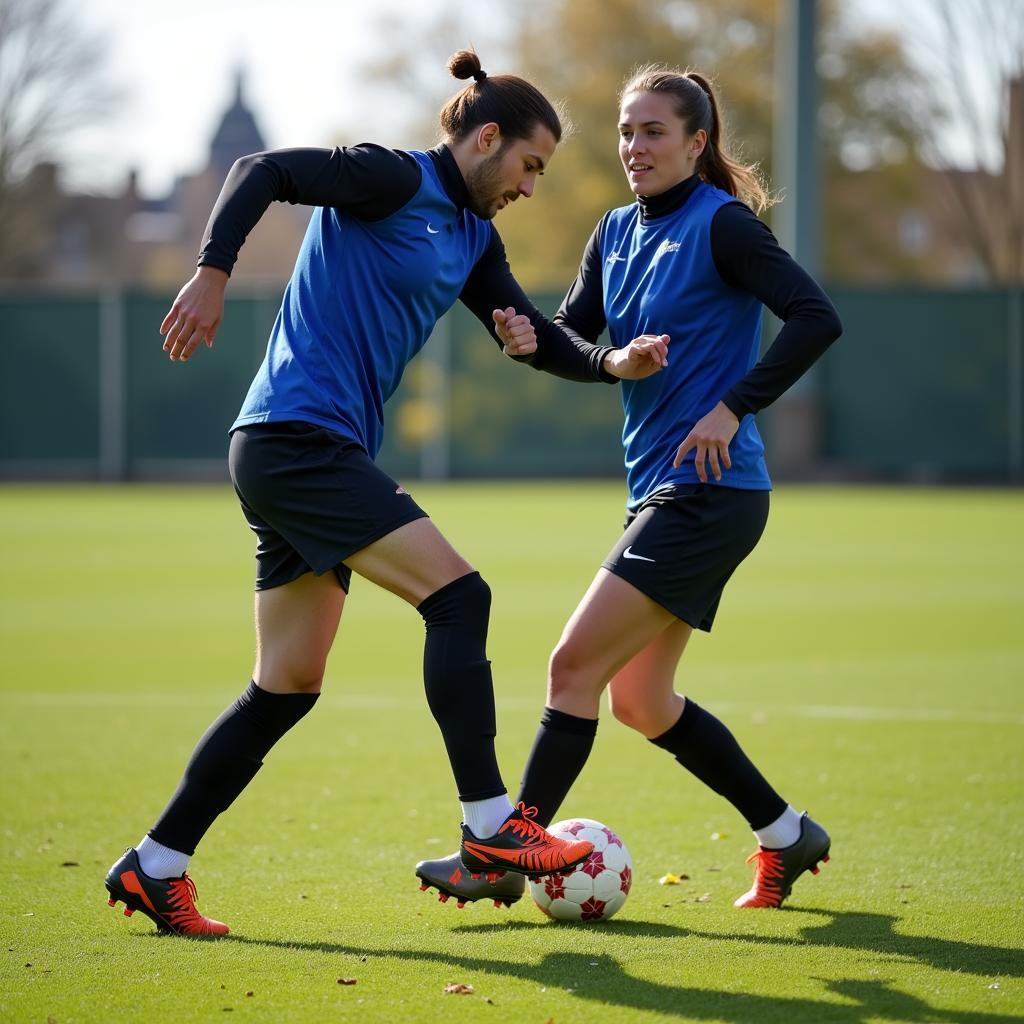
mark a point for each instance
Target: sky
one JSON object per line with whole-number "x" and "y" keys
{"x": 305, "y": 63}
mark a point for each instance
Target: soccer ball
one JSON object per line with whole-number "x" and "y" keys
{"x": 595, "y": 889}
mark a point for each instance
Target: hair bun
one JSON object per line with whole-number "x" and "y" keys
{"x": 466, "y": 64}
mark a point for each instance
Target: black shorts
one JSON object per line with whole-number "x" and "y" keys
{"x": 683, "y": 543}
{"x": 312, "y": 497}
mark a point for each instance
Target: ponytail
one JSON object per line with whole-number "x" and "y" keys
{"x": 696, "y": 106}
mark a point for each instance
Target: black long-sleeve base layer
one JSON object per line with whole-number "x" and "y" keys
{"x": 746, "y": 256}
{"x": 371, "y": 183}
{"x": 707, "y": 749}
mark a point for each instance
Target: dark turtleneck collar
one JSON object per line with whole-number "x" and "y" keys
{"x": 668, "y": 201}
{"x": 451, "y": 177}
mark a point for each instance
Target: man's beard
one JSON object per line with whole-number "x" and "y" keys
{"x": 483, "y": 186}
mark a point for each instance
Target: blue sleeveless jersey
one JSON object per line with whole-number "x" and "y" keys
{"x": 660, "y": 278}
{"x": 362, "y": 301}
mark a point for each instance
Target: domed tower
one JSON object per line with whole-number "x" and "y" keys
{"x": 236, "y": 135}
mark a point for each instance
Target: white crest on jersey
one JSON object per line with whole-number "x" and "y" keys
{"x": 665, "y": 248}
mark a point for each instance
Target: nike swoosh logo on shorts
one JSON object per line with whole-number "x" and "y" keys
{"x": 628, "y": 553}
{"x": 432, "y": 230}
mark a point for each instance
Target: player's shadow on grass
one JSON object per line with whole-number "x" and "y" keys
{"x": 621, "y": 929}
{"x": 600, "y": 978}
{"x": 876, "y": 933}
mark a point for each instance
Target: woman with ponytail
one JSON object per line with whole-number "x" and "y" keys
{"x": 687, "y": 260}
{"x": 394, "y": 239}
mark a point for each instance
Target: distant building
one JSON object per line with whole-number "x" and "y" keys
{"x": 897, "y": 225}
{"x": 128, "y": 240}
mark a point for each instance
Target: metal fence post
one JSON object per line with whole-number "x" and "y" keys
{"x": 113, "y": 447}
{"x": 1015, "y": 378}
{"x": 796, "y": 426}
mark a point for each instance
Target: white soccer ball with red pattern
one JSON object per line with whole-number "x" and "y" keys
{"x": 597, "y": 888}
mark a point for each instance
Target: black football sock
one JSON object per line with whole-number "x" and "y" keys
{"x": 560, "y": 750}
{"x": 705, "y": 747}
{"x": 224, "y": 762}
{"x": 457, "y": 679}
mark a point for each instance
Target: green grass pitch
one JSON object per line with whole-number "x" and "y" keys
{"x": 869, "y": 655}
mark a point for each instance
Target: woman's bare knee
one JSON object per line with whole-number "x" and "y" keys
{"x": 625, "y": 711}
{"x": 571, "y": 675}
{"x": 651, "y": 715}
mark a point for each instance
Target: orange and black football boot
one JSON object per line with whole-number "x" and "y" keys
{"x": 452, "y": 881}
{"x": 170, "y": 903}
{"x": 522, "y": 846}
{"x": 775, "y": 871}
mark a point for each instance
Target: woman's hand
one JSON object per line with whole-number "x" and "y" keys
{"x": 642, "y": 357}
{"x": 196, "y": 313}
{"x": 711, "y": 435}
{"x": 515, "y": 331}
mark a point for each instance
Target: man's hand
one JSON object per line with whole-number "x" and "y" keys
{"x": 711, "y": 435}
{"x": 196, "y": 313}
{"x": 641, "y": 358}
{"x": 515, "y": 331}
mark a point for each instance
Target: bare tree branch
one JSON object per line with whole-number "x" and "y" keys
{"x": 969, "y": 53}
{"x": 51, "y": 87}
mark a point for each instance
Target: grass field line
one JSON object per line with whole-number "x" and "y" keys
{"x": 378, "y": 702}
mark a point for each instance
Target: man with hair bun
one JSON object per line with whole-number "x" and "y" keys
{"x": 394, "y": 239}
{"x": 689, "y": 258}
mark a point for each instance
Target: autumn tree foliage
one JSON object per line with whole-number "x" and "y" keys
{"x": 871, "y": 118}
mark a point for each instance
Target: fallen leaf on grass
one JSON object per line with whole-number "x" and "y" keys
{"x": 706, "y": 898}
{"x": 250, "y": 994}
{"x": 70, "y": 864}
{"x": 719, "y": 835}
{"x": 458, "y": 989}
{"x": 670, "y": 879}
{"x": 347, "y": 981}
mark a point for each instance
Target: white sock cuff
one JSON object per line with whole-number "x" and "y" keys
{"x": 159, "y": 861}
{"x": 484, "y": 817}
{"x": 782, "y": 832}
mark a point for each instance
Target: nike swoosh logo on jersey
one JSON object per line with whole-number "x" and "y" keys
{"x": 628, "y": 553}
{"x": 431, "y": 230}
